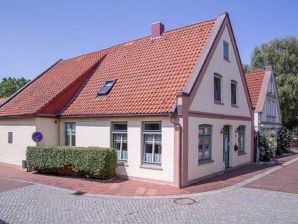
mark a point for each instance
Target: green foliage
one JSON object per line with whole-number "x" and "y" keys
{"x": 246, "y": 68}
{"x": 282, "y": 55}
{"x": 284, "y": 139}
{"x": 91, "y": 162}
{"x": 267, "y": 148}
{"x": 9, "y": 86}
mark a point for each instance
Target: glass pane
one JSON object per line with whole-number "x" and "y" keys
{"x": 73, "y": 140}
{"x": 148, "y": 153}
{"x": 124, "y": 151}
{"x": 117, "y": 137}
{"x": 207, "y": 154}
{"x": 148, "y": 138}
{"x": 152, "y": 126}
{"x": 120, "y": 127}
{"x": 200, "y": 154}
{"x": 158, "y": 138}
{"x": 233, "y": 93}
{"x": 67, "y": 140}
{"x": 217, "y": 89}
{"x": 201, "y": 131}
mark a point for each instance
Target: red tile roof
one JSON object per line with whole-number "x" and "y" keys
{"x": 148, "y": 73}
{"x": 49, "y": 85}
{"x": 254, "y": 82}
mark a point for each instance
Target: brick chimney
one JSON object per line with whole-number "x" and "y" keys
{"x": 157, "y": 29}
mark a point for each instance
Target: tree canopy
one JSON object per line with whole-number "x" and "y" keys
{"x": 282, "y": 55}
{"x": 10, "y": 85}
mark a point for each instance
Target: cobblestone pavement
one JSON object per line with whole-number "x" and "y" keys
{"x": 45, "y": 204}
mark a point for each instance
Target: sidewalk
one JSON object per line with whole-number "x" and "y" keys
{"x": 140, "y": 188}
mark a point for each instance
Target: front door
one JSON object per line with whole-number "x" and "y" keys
{"x": 226, "y": 145}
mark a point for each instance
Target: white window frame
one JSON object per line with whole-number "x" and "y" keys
{"x": 154, "y": 133}
{"x": 120, "y": 152}
{"x": 69, "y": 135}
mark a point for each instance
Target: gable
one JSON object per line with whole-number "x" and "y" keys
{"x": 203, "y": 96}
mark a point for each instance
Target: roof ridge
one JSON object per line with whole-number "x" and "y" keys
{"x": 137, "y": 39}
{"x": 255, "y": 71}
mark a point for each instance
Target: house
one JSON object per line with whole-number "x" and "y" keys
{"x": 263, "y": 93}
{"x": 174, "y": 104}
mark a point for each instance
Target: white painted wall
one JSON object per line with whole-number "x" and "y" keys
{"x": 22, "y": 137}
{"x": 49, "y": 127}
{"x": 204, "y": 99}
{"x": 97, "y": 132}
{"x": 196, "y": 170}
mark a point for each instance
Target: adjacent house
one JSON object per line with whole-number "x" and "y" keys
{"x": 263, "y": 93}
{"x": 174, "y": 104}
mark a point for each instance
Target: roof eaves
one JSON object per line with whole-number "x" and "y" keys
{"x": 115, "y": 115}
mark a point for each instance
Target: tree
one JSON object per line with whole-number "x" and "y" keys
{"x": 282, "y": 55}
{"x": 9, "y": 86}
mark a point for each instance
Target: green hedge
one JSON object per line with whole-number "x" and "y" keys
{"x": 93, "y": 162}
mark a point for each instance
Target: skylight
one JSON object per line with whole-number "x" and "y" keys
{"x": 106, "y": 88}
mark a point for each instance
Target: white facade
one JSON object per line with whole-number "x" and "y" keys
{"x": 204, "y": 102}
{"x": 97, "y": 132}
{"x": 267, "y": 114}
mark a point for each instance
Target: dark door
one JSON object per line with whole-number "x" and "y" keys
{"x": 226, "y": 145}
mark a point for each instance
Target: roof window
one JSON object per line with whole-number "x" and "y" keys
{"x": 106, "y": 88}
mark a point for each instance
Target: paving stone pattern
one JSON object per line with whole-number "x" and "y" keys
{"x": 46, "y": 204}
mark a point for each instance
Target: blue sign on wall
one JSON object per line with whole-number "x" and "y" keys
{"x": 37, "y": 136}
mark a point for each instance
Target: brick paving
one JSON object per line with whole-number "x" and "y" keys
{"x": 138, "y": 188}
{"x": 285, "y": 180}
{"x": 46, "y": 204}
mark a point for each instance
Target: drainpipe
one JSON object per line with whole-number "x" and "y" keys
{"x": 178, "y": 125}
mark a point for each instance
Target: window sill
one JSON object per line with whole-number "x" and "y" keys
{"x": 241, "y": 153}
{"x": 121, "y": 163}
{"x": 227, "y": 60}
{"x": 234, "y": 105}
{"x": 218, "y": 102}
{"x": 151, "y": 167}
{"x": 205, "y": 161}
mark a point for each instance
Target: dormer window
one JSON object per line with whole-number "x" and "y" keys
{"x": 226, "y": 50}
{"x": 106, "y": 88}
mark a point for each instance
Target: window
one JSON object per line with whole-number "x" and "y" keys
{"x": 217, "y": 88}
{"x": 10, "y": 137}
{"x": 234, "y": 93}
{"x": 152, "y": 142}
{"x": 241, "y": 138}
{"x": 70, "y": 134}
{"x": 226, "y": 50}
{"x": 119, "y": 136}
{"x": 205, "y": 142}
{"x": 106, "y": 88}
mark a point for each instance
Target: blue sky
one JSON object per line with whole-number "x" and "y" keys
{"x": 35, "y": 34}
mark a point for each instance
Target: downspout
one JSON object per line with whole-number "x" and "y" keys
{"x": 178, "y": 125}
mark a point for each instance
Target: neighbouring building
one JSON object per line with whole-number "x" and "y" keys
{"x": 263, "y": 94}
{"x": 174, "y": 104}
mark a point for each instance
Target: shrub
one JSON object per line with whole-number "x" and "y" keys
{"x": 267, "y": 148}
{"x": 91, "y": 162}
{"x": 284, "y": 139}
